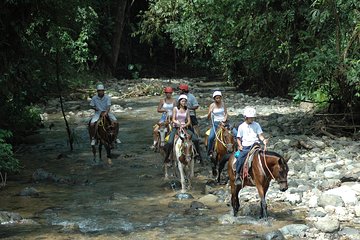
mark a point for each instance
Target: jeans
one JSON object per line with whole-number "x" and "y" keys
{"x": 241, "y": 159}
{"x": 211, "y": 138}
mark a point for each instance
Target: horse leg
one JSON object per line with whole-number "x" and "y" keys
{"x": 108, "y": 154}
{"x": 93, "y": 148}
{"x": 222, "y": 163}
{"x": 214, "y": 161}
{"x": 182, "y": 177}
{"x": 262, "y": 189}
{"x": 234, "y": 195}
{"x": 100, "y": 148}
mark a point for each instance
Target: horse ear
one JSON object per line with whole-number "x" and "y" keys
{"x": 287, "y": 157}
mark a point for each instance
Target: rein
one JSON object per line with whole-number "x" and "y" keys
{"x": 272, "y": 176}
{"x": 216, "y": 135}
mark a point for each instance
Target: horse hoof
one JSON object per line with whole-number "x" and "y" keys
{"x": 109, "y": 161}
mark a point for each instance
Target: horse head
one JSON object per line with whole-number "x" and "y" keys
{"x": 187, "y": 146}
{"x": 106, "y": 130}
{"x": 227, "y": 139}
{"x": 282, "y": 172}
{"x": 163, "y": 129}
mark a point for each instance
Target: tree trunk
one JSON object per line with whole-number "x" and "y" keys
{"x": 118, "y": 30}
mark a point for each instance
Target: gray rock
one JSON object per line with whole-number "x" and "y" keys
{"x": 294, "y": 230}
{"x": 182, "y": 196}
{"x": 274, "y": 235}
{"x": 197, "y": 205}
{"x": 350, "y": 233}
{"x": 332, "y": 200}
{"x": 29, "y": 191}
{"x": 9, "y": 217}
{"x": 327, "y": 224}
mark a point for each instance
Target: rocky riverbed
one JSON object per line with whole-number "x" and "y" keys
{"x": 68, "y": 195}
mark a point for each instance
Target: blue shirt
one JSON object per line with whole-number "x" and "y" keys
{"x": 102, "y": 104}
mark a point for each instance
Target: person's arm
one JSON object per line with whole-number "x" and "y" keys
{"x": 240, "y": 147}
{"x": 159, "y": 108}
{"x": 225, "y": 114}
{"x": 194, "y": 102}
{"x": 174, "y": 116}
{"x": 263, "y": 139}
{"x": 188, "y": 119}
{"x": 211, "y": 108}
{"x": 92, "y": 104}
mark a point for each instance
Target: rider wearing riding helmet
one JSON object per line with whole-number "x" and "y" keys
{"x": 249, "y": 133}
{"x": 217, "y": 114}
{"x": 101, "y": 103}
{"x": 165, "y": 107}
{"x": 180, "y": 118}
{"x": 192, "y": 105}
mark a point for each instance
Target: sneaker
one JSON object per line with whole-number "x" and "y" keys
{"x": 117, "y": 140}
{"x": 152, "y": 147}
{"x": 237, "y": 179}
{"x": 93, "y": 142}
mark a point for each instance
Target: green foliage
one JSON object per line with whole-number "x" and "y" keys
{"x": 135, "y": 70}
{"x": 309, "y": 48}
{"x": 8, "y": 163}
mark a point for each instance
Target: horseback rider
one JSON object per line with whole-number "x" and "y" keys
{"x": 101, "y": 103}
{"x": 249, "y": 133}
{"x": 217, "y": 114}
{"x": 165, "y": 107}
{"x": 180, "y": 118}
{"x": 192, "y": 105}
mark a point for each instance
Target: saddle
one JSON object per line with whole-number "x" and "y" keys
{"x": 244, "y": 172}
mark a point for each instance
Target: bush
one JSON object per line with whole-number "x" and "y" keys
{"x": 8, "y": 163}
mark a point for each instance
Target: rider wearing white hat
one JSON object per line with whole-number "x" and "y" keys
{"x": 249, "y": 133}
{"x": 180, "y": 118}
{"x": 101, "y": 103}
{"x": 217, "y": 114}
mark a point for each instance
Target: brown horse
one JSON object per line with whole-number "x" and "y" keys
{"x": 266, "y": 166}
{"x": 224, "y": 144}
{"x": 184, "y": 154}
{"x": 105, "y": 135}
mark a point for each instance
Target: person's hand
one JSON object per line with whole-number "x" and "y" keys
{"x": 240, "y": 148}
{"x": 265, "y": 141}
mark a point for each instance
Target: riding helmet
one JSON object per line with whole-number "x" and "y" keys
{"x": 168, "y": 90}
{"x": 217, "y": 93}
{"x": 249, "y": 112}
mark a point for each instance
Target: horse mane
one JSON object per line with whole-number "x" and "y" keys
{"x": 271, "y": 153}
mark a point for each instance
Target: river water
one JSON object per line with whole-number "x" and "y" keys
{"x": 129, "y": 200}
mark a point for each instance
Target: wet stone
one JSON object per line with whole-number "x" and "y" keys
{"x": 274, "y": 235}
{"x": 197, "y": 205}
{"x": 29, "y": 191}
{"x": 182, "y": 196}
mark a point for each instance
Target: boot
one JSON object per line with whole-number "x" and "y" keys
{"x": 237, "y": 179}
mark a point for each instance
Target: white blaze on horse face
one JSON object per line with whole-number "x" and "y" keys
{"x": 162, "y": 132}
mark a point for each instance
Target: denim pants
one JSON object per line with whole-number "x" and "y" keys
{"x": 241, "y": 159}
{"x": 210, "y": 143}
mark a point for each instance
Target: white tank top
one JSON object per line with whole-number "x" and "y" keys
{"x": 219, "y": 114}
{"x": 168, "y": 107}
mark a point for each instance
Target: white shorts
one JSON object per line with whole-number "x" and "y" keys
{"x": 97, "y": 116}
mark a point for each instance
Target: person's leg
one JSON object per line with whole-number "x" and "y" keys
{"x": 115, "y": 124}
{"x": 196, "y": 142}
{"x": 195, "y": 125}
{"x": 212, "y": 138}
{"x": 239, "y": 163}
{"x": 92, "y": 129}
{"x": 169, "y": 145}
{"x": 155, "y": 135}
